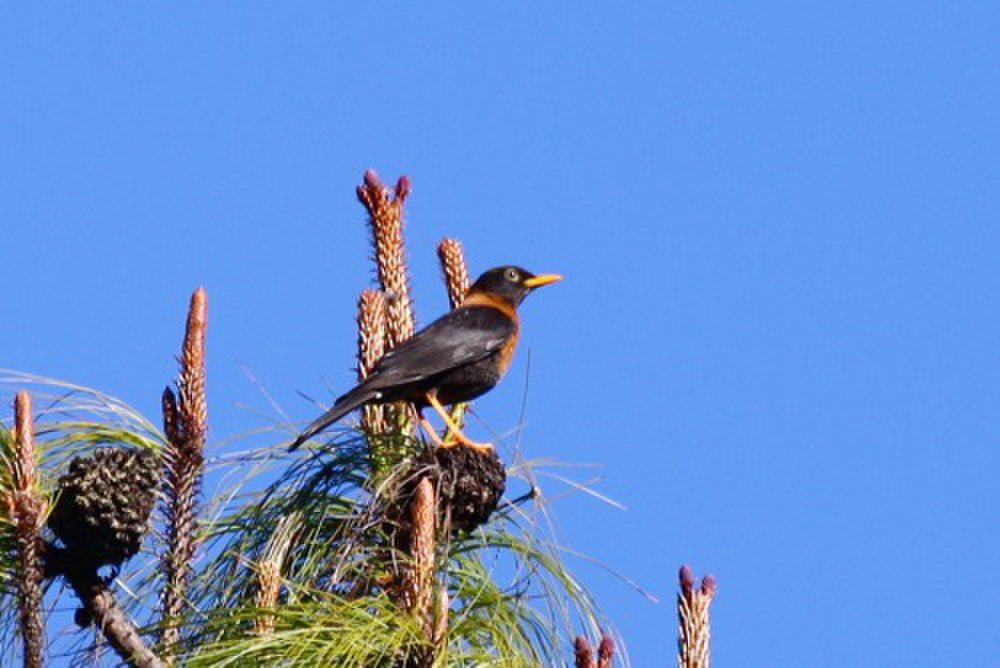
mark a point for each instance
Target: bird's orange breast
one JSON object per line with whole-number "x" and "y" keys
{"x": 506, "y": 353}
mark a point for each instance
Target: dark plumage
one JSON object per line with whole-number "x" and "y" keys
{"x": 456, "y": 358}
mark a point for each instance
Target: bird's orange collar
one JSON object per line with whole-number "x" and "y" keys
{"x": 486, "y": 299}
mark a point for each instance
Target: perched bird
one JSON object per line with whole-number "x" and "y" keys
{"x": 456, "y": 358}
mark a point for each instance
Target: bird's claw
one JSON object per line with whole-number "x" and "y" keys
{"x": 462, "y": 439}
{"x": 481, "y": 448}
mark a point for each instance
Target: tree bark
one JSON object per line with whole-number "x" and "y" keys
{"x": 121, "y": 633}
{"x": 101, "y": 608}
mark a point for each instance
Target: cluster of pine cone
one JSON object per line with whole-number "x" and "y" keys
{"x": 469, "y": 483}
{"x": 104, "y": 504}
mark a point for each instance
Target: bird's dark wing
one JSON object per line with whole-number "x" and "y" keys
{"x": 463, "y": 336}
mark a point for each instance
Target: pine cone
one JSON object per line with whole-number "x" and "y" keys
{"x": 470, "y": 483}
{"x": 104, "y": 504}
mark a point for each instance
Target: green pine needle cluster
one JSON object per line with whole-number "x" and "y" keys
{"x": 325, "y": 630}
{"x": 513, "y": 602}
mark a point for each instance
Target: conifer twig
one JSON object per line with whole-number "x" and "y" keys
{"x": 269, "y": 572}
{"x": 185, "y": 420}
{"x": 694, "y": 627}
{"x": 583, "y": 653}
{"x": 454, "y": 269}
{"x": 385, "y": 217}
{"x": 371, "y": 347}
{"x": 419, "y": 582}
{"x": 419, "y": 579}
{"x": 269, "y": 586}
{"x": 28, "y": 510}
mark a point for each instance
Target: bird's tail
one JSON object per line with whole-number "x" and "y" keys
{"x": 344, "y": 405}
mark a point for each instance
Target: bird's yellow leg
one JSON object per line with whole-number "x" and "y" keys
{"x": 454, "y": 428}
{"x": 432, "y": 432}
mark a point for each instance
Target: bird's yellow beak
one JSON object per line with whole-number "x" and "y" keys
{"x": 544, "y": 279}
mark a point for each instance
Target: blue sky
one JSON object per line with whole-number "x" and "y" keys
{"x": 778, "y": 223}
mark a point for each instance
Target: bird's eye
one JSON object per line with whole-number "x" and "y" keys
{"x": 512, "y": 275}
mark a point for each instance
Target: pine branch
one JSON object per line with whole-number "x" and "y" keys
{"x": 28, "y": 510}
{"x": 185, "y": 423}
{"x": 114, "y": 624}
{"x": 694, "y": 629}
{"x": 101, "y": 608}
{"x": 385, "y": 220}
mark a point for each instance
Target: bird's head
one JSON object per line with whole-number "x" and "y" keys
{"x": 512, "y": 284}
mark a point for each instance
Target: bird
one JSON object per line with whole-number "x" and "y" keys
{"x": 455, "y": 359}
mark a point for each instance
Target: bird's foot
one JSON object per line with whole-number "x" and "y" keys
{"x": 455, "y": 430}
{"x": 432, "y": 432}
